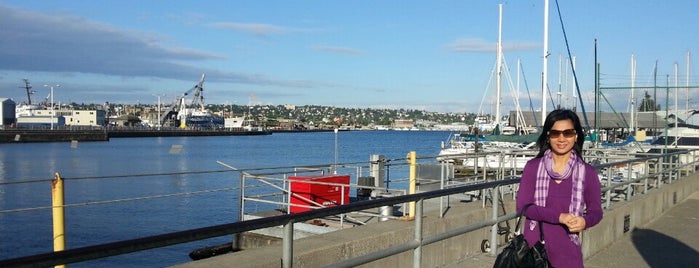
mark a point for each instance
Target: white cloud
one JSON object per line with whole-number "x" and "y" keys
{"x": 257, "y": 29}
{"x": 34, "y": 41}
{"x": 338, "y": 50}
{"x": 480, "y": 45}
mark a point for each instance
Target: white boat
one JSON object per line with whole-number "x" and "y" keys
{"x": 460, "y": 144}
{"x": 477, "y": 151}
{"x": 679, "y": 135}
{"x": 505, "y": 158}
{"x": 28, "y": 109}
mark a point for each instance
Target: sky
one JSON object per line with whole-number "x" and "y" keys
{"x": 437, "y": 56}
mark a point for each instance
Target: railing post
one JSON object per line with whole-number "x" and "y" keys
{"x": 413, "y": 180}
{"x": 646, "y": 169}
{"x": 444, "y": 176}
{"x": 342, "y": 202}
{"x": 609, "y": 182}
{"x": 659, "y": 171}
{"x": 629, "y": 187}
{"x": 57, "y": 202}
{"x": 678, "y": 167}
{"x": 670, "y": 168}
{"x": 242, "y": 197}
{"x": 494, "y": 229}
{"x": 417, "y": 252}
{"x": 485, "y": 178}
{"x": 501, "y": 166}
{"x": 288, "y": 245}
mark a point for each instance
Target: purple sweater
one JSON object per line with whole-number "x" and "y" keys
{"x": 562, "y": 252}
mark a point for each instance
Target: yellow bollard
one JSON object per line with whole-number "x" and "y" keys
{"x": 57, "y": 202}
{"x": 413, "y": 181}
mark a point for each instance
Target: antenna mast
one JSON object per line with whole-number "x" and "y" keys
{"x": 28, "y": 87}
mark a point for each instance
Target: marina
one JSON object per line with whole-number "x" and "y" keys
{"x": 221, "y": 182}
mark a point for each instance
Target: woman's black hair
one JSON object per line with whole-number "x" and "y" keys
{"x": 551, "y": 118}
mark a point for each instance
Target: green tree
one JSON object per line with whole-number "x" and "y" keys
{"x": 648, "y": 104}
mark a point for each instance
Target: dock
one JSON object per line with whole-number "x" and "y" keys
{"x": 68, "y": 135}
{"x": 25, "y": 136}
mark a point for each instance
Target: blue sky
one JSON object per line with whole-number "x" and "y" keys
{"x": 427, "y": 55}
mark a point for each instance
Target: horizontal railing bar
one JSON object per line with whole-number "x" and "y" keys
{"x": 400, "y": 248}
{"x": 150, "y": 242}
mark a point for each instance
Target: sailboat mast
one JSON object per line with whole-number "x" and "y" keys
{"x": 687, "y": 104}
{"x": 566, "y": 83}
{"x": 499, "y": 70}
{"x": 544, "y": 74}
{"x": 633, "y": 88}
{"x": 575, "y": 94}
{"x": 518, "y": 126}
{"x": 560, "y": 72}
{"x": 676, "y": 89}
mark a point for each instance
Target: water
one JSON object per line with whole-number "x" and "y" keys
{"x": 30, "y": 232}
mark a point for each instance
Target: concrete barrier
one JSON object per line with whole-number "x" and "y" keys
{"x": 621, "y": 218}
{"x": 329, "y": 248}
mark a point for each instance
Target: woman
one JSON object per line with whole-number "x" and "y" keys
{"x": 564, "y": 189}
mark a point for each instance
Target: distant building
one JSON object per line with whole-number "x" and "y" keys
{"x": 7, "y": 113}
{"x": 403, "y": 123}
{"x": 91, "y": 118}
{"x": 40, "y": 121}
{"x": 607, "y": 120}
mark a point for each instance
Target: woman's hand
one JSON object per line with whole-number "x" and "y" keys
{"x": 574, "y": 223}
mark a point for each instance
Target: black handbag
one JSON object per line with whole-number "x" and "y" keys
{"x": 517, "y": 252}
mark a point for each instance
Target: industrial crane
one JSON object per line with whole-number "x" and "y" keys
{"x": 178, "y": 110}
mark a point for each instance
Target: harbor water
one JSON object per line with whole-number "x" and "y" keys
{"x": 112, "y": 195}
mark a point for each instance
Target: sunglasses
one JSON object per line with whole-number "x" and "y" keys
{"x": 568, "y": 133}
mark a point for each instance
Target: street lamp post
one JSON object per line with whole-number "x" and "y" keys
{"x": 160, "y": 123}
{"x": 53, "y": 111}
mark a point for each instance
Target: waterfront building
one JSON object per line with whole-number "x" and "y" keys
{"x": 87, "y": 118}
{"x": 7, "y": 112}
{"x": 40, "y": 121}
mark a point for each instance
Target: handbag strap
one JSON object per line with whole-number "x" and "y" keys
{"x": 520, "y": 214}
{"x": 519, "y": 219}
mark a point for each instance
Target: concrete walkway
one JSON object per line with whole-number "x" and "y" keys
{"x": 672, "y": 240}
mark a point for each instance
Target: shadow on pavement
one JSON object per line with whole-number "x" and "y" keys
{"x": 660, "y": 250}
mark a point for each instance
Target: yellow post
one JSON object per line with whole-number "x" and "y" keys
{"x": 413, "y": 181}
{"x": 57, "y": 201}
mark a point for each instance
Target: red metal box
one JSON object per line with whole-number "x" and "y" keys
{"x": 304, "y": 188}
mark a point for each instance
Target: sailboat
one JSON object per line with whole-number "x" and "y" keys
{"x": 506, "y": 145}
{"x": 502, "y": 131}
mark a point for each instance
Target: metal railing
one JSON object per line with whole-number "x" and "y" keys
{"x": 659, "y": 170}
